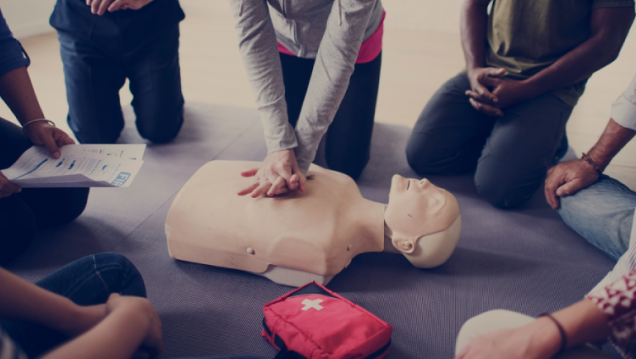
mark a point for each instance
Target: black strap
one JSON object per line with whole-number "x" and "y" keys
{"x": 380, "y": 351}
{"x": 285, "y": 354}
{"x": 311, "y": 289}
{"x": 267, "y": 330}
{"x": 289, "y": 355}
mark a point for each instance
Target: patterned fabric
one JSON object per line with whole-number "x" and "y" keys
{"x": 619, "y": 305}
{"x": 8, "y": 349}
{"x": 624, "y": 109}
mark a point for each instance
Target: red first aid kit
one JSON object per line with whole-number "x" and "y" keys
{"x": 313, "y": 322}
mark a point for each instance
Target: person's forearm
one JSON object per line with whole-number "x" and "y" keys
{"x": 23, "y": 300}
{"x": 614, "y": 138}
{"x": 17, "y": 92}
{"x": 259, "y": 50}
{"x": 583, "y": 322}
{"x": 474, "y": 19}
{"x": 116, "y": 337}
{"x": 609, "y": 29}
{"x": 334, "y": 65}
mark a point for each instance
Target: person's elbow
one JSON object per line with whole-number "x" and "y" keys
{"x": 612, "y": 48}
{"x": 609, "y": 30}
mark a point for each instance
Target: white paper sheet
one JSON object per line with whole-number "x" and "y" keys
{"x": 78, "y": 166}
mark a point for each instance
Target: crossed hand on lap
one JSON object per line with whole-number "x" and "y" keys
{"x": 491, "y": 92}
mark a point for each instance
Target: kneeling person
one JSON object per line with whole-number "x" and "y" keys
{"x": 527, "y": 63}
{"x": 102, "y": 45}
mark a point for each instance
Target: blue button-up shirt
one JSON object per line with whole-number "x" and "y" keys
{"x": 12, "y": 55}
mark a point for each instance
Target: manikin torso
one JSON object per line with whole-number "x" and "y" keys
{"x": 299, "y": 236}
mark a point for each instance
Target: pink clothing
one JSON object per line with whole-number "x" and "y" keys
{"x": 369, "y": 50}
{"x": 618, "y": 302}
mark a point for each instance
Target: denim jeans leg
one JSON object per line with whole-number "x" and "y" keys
{"x": 603, "y": 214}
{"x": 87, "y": 281}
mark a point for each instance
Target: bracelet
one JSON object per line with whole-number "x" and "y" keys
{"x": 34, "y": 121}
{"x": 564, "y": 338}
{"x": 587, "y": 159}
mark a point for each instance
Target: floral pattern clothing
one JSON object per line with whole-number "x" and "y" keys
{"x": 618, "y": 302}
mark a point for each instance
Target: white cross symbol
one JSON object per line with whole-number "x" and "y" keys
{"x": 312, "y": 304}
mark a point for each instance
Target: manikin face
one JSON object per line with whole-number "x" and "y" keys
{"x": 417, "y": 208}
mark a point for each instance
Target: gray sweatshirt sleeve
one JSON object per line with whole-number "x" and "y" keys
{"x": 259, "y": 50}
{"x": 330, "y": 78}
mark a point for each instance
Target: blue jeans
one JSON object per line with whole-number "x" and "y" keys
{"x": 603, "y": 214}
{"x": 87, "y": 281}
{"x": 509, "y": 155}
{"x": 95, "y": 70}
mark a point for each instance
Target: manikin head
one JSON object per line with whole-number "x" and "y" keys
{"x": 424, "y": 221}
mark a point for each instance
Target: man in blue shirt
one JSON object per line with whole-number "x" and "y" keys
{"x": 104, "y": 42}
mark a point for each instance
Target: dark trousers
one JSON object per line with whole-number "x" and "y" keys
{"x": 22, "y": 213}
{"x": 87, "y": 281}
{"x": 348, "y": 139}
{"x": 510, "y": 155}
{"x": 96, "y": 69}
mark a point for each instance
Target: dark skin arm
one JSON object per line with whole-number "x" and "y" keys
{"x": 567, "y": 178}
{"x": 473, "y": 22}
{"x": 17, "y": 92}
{"x": 608, "y": 29}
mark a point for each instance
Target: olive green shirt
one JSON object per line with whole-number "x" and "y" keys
{"x": 526, "y": 36}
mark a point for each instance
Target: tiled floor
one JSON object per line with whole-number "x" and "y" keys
{"x": 421, "y": 51}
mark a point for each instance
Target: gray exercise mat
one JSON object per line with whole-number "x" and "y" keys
{"x": 525, "y": 260}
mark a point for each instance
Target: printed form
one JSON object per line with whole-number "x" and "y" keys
{"x": 78, "y": 166}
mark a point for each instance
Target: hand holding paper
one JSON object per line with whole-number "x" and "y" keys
{"x": 77, "y": 166}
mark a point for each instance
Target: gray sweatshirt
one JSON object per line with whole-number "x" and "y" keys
{"x": 331, "y": 31}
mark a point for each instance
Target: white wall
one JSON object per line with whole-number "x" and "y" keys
{"x": 27, "y": 17}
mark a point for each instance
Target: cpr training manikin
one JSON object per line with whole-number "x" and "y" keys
{"x": 298, "y": 237}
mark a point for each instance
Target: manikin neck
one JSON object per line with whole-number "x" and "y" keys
{"x": 388, "y": 237}
{"x": 371, "y": 214}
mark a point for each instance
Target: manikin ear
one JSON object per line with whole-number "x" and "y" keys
{"x": 403, "y": 244}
